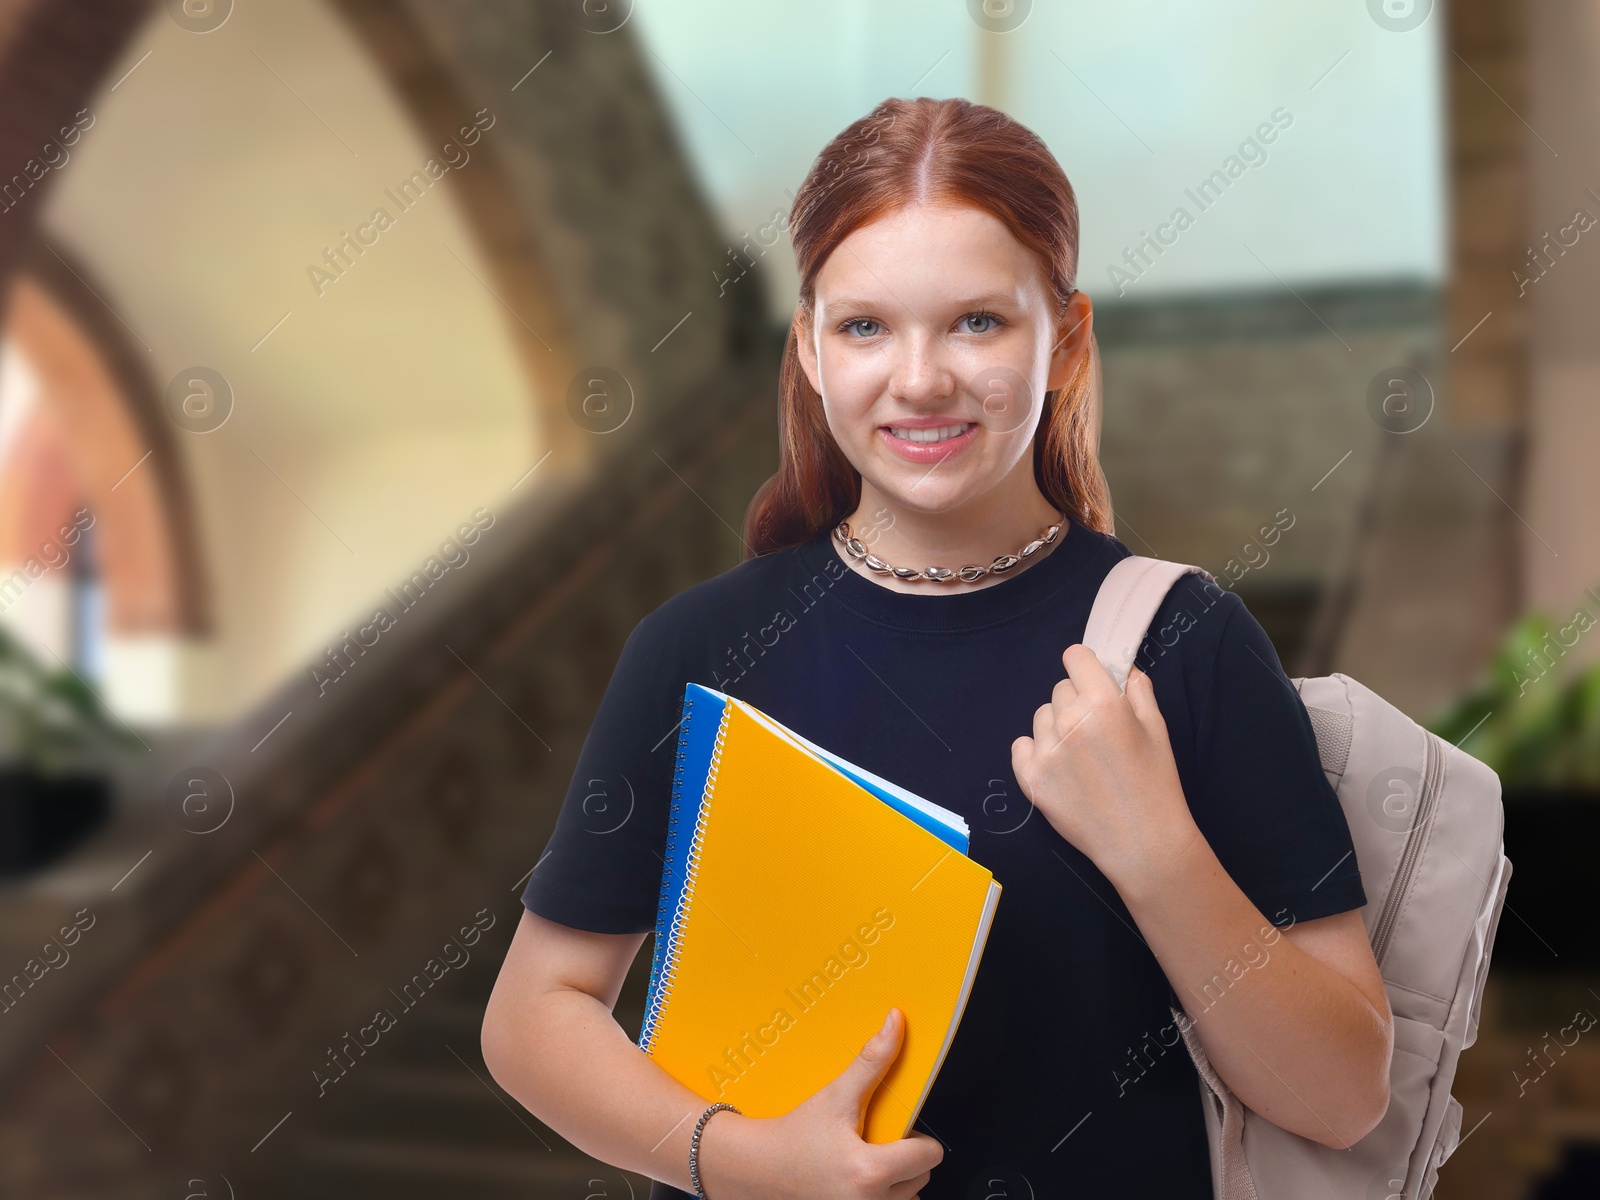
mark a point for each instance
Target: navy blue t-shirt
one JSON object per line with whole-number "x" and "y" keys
{"x": 1066, "y": 1076}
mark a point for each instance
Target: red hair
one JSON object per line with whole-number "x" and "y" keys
{"x": 903, "y": 152}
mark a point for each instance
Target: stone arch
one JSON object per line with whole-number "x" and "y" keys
{"x": 52, "y": 62}
{"x": 52, "y": 56}
{"x": 119, "y": 446}
{"x": 431, "y": 97}
{"x": 52, "y": 59}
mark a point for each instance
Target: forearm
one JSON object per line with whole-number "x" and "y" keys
{"x": 565, "y": 1059}
{"x": 1295, "y": 1040}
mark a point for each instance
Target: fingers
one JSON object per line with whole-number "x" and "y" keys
{"x": 911, "y": 1189}
{"x": 1044, "y": 724}
{"x": 1141, "y": 696}
{"x": 1086, "y": 685}
{"x": 1087, "y": 672}
{"x": 1064, "y": 693}
{"x": 909, "y": 1161}
{"x": 1022, "y": 749}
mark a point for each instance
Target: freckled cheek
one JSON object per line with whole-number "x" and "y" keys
{"x": 1004, "y": 394}
{"x": 851, "y": 393}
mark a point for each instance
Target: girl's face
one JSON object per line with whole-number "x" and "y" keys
{"x": 932, "y": 342}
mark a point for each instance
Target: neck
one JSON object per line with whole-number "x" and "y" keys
{"x": 998, "y": 523}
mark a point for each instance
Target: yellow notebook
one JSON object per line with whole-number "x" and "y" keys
{"x": 803, "y": 897}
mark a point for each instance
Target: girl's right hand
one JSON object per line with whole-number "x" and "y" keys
{"x": 816, "y": 1150}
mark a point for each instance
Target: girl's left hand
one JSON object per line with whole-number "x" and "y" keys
{"x": 1100, "y": 768}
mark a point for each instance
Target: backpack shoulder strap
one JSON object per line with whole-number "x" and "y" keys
{"x": 1123, "y": 609}
{"x": 1125, "y": 606}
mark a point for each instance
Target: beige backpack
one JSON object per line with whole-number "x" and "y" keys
{"x": 1427, "y": 824}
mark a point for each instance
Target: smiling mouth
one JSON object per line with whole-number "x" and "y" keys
{"x": 929, "y": 437}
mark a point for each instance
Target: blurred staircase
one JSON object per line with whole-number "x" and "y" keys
{"x": 175, "y": 1055}
{"x": 424, "y": 1118}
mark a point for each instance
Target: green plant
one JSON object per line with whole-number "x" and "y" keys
{"x": 50, "y": 721}
{"x": 1533, "y": 731}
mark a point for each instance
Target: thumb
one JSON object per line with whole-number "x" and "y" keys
{"x": 856, "y": 1083}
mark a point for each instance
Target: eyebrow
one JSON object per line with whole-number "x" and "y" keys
{"x": 970, "y": 302}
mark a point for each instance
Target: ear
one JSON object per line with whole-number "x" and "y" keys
{"x": 1072, "y": 340}
{"x": 807, "y": 349}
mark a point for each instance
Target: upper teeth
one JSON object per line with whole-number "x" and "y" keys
{"x": 929, "y": 435}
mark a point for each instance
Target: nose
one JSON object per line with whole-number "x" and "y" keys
{"x": 921, "y": 374}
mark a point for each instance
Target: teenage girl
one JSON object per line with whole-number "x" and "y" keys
{"x": 1176, "y": 844}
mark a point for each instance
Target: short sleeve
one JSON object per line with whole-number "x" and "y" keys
{"x": 1262, "y": 800}
{"x": 601, "y": 869}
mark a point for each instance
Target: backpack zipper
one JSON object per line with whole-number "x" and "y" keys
{"x": 1432, "y": 774}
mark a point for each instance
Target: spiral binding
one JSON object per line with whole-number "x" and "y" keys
{"x": 664, "y": 966}
{"x": 658, "y": 954}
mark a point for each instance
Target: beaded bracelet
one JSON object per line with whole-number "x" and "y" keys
{"x": 694, "y": 1146}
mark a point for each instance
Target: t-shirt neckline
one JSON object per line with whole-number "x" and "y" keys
{"x": 998, "y": 602}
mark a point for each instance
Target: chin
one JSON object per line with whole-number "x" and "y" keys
{"x": 904, "y": 494}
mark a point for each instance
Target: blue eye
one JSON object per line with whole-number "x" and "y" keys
{"x": 856, "y": 322}
{"x": 868, "y": 327}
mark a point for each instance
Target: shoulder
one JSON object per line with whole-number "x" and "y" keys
{"x": 1098, "y": 552}
{"x": 1193, "y": 618}
{"x": 1203, "y": 641}
{"x": 1196, "y": 617}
